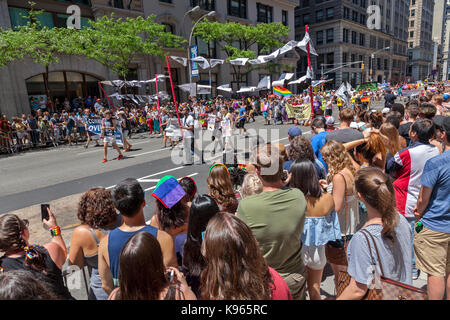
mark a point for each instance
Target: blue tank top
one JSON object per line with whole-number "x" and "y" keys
{"x": 116, "y": 241}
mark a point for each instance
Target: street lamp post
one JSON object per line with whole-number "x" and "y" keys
{"x": 209, "y": 14}
{"x": 372, "y": 56}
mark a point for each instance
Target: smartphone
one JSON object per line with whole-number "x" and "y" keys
{"x": 44, "y": 212}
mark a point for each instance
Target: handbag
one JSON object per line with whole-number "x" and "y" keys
{"x": 339, "y": 255}
{"x": 390, "y": 289}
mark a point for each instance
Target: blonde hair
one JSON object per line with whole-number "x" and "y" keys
{"x": 337, "y": 158}
{"x": 251, "y": 185}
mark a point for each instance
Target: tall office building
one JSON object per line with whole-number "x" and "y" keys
{"x": 420, "y": 42}
{"x": 342, "y": 38}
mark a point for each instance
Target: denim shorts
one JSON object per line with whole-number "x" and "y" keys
{"x": 340, "y": 242}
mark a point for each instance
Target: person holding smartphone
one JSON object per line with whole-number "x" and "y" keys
{"x": 44, "y": 261}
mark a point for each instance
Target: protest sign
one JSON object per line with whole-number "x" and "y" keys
{"x": 94, "y": 127}
{"x": 211, "y": 122}
{"x": 226, "y": 128}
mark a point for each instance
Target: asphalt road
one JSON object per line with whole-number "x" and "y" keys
{"x": 42, "y": 176}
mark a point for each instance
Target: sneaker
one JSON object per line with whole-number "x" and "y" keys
{"x": 416, "y": 274}
{"x": 104, "y": 160}
{"x": 120, "y": 157}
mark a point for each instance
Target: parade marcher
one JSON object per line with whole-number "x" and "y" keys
{"x": 187, "y": 126}
{"x": 109, "y": 136}
{"x": 124, "y": 123}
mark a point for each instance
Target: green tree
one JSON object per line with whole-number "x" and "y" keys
{"x": 38, "y": 42}
{"x": 237, "y": 39}
{"x": 115, "y": 43}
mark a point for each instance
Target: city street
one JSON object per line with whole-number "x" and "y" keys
{"x": 59, "y": 177}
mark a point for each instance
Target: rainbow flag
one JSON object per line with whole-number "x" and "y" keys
{"x": 280, "y": 91}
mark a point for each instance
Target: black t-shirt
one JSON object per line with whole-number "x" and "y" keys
{"x": 53, "y": 278}
{"x": 403, "y": 131}
{"x": 344, "y": 135}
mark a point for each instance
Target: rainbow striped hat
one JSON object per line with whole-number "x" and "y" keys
{"x": 168, "y": 191}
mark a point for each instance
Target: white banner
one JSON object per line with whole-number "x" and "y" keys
{"x": 239, "y": 61}
{"x": 226, "y": 128}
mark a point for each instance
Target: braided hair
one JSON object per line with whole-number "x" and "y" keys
{"x": 11, "y": 231}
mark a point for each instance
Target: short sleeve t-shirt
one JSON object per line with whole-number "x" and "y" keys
{"x": 396, "y": 258}
{"x": 344, "y": 135}
{"x": 436, "y": 175}
{"x": 242, "y": 111}
{"x": 276, "y": 219}
{"x": 187, "y": 122}
{"x": 317, "y": 143}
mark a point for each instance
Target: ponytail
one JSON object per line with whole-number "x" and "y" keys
{"x": 377, "y": 190}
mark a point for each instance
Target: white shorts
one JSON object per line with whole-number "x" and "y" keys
{"x": 109, "y": 139}
{"x": 314, "y": 257}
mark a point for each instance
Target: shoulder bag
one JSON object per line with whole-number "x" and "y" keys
{"x": 390, "y": 289}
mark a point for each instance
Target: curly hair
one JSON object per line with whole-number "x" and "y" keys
{"x": 96, "y": 208}
{"x": 301, "y": 148}
{"x": 235, "y": 267}
{"x": 337, "y": 158}
{"x": 376, "y": 119}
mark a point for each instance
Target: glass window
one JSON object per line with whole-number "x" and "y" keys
{"x": 319, "y": 39}
{"x": 265, "y": 13}
{"x": 306, "y": 19}
{"x": 330, "y": 35}
{"x": 61, "y": 20}
{"x": 207, "y": 5}
{"x": 330, "y": 13}
{"x": 118, "y": 4}
{"x": 237, "y": 8}
{"x": 46, "y": 20}
{"x": 284, "y": 17}
{"x": 18, "y": 17}
{"x": 319, "y": 15}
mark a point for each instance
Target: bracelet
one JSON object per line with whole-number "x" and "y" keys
{"x": 55, "y": 231}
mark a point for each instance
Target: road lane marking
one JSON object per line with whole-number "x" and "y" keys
{"x": 147, "y": 180}
{"x": 152, "y": 175}
{"x": 191, "y": 175}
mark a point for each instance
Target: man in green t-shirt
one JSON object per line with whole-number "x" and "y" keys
{"x": 276, "y": 217}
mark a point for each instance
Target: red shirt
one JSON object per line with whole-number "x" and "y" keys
{"x": 280, "y": 290}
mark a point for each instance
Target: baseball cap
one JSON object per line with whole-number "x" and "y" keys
{"x": 386, "y": 110}
{"x": 330, "y": 121}
{"x": 294, "y": 131}
{"x": 446, "y": 96}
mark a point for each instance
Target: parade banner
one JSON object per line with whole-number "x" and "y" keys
{"x": 193, "y": 50}
{"x": 211, "y": 122}
{"x": 368, "y": 86}
{"x": 298, "y": 111}
{"x": 94, "y": 127}
{"x": 226, "y": 128}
